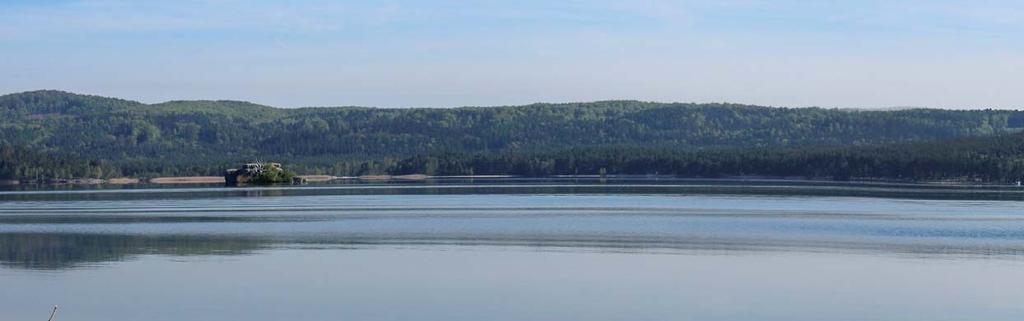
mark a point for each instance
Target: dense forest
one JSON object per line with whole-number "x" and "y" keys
{"x": 979, "y": 159}
{"x": 22, "y": 163}
{"x": 53, "y": 134}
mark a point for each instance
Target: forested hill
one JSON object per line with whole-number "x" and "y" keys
{"x": 192, "y": 137}
{"x": 990, "y": 159}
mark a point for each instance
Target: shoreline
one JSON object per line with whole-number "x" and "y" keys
{"x": 205, "y": 180}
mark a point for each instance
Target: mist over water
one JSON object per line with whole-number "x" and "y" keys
{"x": 515, "y": 250}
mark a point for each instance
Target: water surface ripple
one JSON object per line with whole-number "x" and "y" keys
{"x": 37, "y": 227}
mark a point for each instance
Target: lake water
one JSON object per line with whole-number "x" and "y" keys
{"x": 515, "y": 250}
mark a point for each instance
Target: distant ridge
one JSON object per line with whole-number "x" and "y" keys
{"x": 86, "y": 97}
{"x": 203, "y": 136}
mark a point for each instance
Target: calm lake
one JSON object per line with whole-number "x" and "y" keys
{"x": 626, "y": 249}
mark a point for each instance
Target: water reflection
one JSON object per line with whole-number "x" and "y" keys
{"x": 641, "y": 250}
{"x": 59, "y": 229}
{"x": 524, "y": 187}
{"x": 48, "y": 251}
{"x": 58, "y": 251}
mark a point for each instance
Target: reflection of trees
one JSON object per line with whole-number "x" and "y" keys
{"x": 264, "y": 192}
{"x": 66, "y": 250}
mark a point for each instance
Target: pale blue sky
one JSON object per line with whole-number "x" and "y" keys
{"x": 965, "y": 54}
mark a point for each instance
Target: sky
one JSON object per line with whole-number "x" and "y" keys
{"x": 441, "y": 53}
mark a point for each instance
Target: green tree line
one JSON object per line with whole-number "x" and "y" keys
{"x": 57, "y": 134}
{"x": 981, "y": 159}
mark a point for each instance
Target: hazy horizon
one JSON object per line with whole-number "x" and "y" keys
{"x": 406, "y": 53}
{"x": 487, "y": 106}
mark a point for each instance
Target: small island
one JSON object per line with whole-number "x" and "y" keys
{"x": 260, "y": 173}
